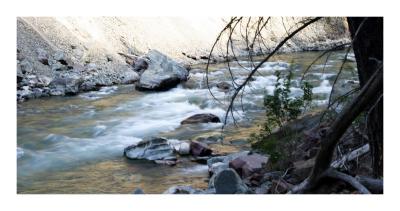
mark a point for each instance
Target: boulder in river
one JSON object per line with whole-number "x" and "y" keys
{"x": 150, "y": 149}
{"x": 247, "y": 165}
{"x": 228, "y": 182}
{"x": 199, "y": 149}
{"x": 162, "y": 73}
{"x": 201, "y": 118}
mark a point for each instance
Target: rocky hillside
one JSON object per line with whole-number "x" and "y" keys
{"x": 67, "y": 55}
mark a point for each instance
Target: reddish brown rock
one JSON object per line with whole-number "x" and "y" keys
{"x": 199, "y": 149}
{"x": 247, "y": 165}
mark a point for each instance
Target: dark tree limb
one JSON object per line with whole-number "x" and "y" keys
{"x": 374, "y": 185}
{"x": 347, "y": 178}
{"x": 371, "y": 90}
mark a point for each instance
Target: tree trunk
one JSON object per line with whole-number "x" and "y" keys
{"x": 368, "y": 50}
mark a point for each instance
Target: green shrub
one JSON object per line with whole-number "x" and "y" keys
{"x": 280, "y": 108}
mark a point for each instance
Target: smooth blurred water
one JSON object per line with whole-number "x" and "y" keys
{"x": 75, "y": 144}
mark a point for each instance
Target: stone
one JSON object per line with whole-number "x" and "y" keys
{"x": 138, "y": 191}
{"x": 226, "y": 159}
{"x": 161, "y": 74}
{"x": 182, "y": 190}
{"x": 181, "y": 147}
{"x": 129, "y": 77}
{"x": 263, "y": 188}
{"x": 228, "y": 182}
{"x": 26, "y": 66}
{"x": 60, "y": 57}
{"x": 151, "y": 148}
{"x": 140, "y": 65}
{"x": 67, "y": 84}
{"x": 43, "y": 81}
{"x": 223, "y": 85}
{"x": 42, "y": 56}
{"x": 20, "y": 75}
{"x": 201, "y": 118}
{"x": 247, "y": 165}
{"x": 199, "y": 149}
{"x": 24, "y": 93}
{"x": 57, "y": 66}
{"x": 217, "y": 167}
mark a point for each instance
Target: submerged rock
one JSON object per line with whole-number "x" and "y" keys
{"x": 161, "y": 74}
{"x": 150, "y": 149}
{"x": 228, "y": 182}
{"x": 201, "y": 118}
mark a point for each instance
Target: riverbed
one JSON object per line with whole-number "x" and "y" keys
{"x": 75, "y": 144}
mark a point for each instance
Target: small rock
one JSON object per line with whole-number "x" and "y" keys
{"x": 224, "y": 86}
{"x": 263, "y": 188}
{"x": 217, "y": 167}
{"x": 138, "y": 191}
{"x": 42, "y": 56}
{"x": 60, "y": 57}
{"x": 43, "y": 81}
{"x": 249, "y": 164}
{"x": 182, "y": 148}
{"x": 26, "y": 66}
{"x": 226, "y": 159}
{"x": 199, "y": 149}
{"x": 150, "y": 149}
{"x": 140, "y": 65}
{"x": 129, "y": 77}
{"x": 228, "y": 182}
{"x": 58, "y": 67}
{"x": 182, "y": 190}
{"x": 201, "y": 118}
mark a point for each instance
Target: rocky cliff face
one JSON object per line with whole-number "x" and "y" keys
{"x": 66, "y": 55}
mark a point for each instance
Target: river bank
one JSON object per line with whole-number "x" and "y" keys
{"x": 66, "y": 56}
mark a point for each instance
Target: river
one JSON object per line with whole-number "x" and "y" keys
{"x": 75, "y": 144}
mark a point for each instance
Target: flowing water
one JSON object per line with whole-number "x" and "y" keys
{"x": 75, "y": 144}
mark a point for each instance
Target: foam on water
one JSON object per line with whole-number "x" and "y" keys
{"x": 323, "y": 88}
{"x": 94, "y": 95}
{"x": 20, "y": 152}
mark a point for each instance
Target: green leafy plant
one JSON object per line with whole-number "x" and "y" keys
{"x": 281, "y": 108}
